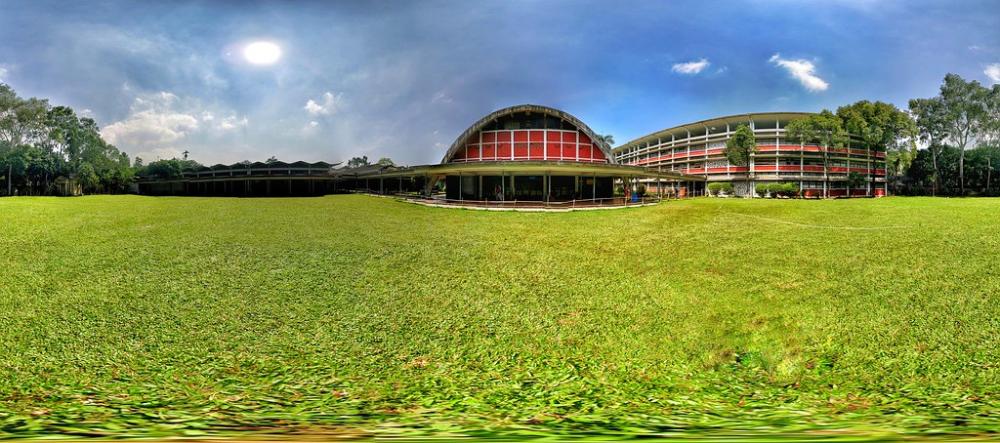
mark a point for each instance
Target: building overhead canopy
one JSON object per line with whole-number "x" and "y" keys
{"x": 495, "y": 168}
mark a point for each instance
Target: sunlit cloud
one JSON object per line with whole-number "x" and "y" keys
{"x": 327, "y": 105}
{"x": 691, "y": 68}
{"x": 993, "y": 72}
{"x": 802, "y": 70}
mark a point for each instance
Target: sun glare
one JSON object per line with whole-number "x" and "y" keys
{"x": 262, "y": 53}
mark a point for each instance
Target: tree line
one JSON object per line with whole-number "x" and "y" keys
{"x": 960, "y": 129}
{"x": 943, "y": 145}
{"x": 47, "y": 150}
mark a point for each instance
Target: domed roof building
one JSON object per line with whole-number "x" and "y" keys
{"x": 524, "y": 153}
{"x": 529, "y": 132}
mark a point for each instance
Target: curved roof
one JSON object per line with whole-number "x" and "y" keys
{"x": 735, "y": 118}
{"x": 478, "y": 125}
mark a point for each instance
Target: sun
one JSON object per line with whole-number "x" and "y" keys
{"x": 262, "y": 53}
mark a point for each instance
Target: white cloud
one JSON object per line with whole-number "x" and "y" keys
{"x": 442, "y": 97}
{"x": 802, "y": 70}
{"x": 309, "y": 129}
{"x": 152, "y": 123}
{"x": 690, "y": 68}
{"x": 329, "y": 104}
{"x": 162, "y": 125}
{"x": 993, "y": 72}
{"x": 3, "y": 73}
{"x": 232, "y": 122}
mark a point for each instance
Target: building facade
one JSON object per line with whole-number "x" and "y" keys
{"x": 520, "y": 155}
{"x": 524, "y": 153}
{"x": 697, "y": 149}
{"x": 259, "y": 179}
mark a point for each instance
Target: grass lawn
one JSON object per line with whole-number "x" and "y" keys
{"x": 357, "y": 315}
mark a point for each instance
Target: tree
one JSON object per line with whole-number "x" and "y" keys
{"x": 964, "y": 114}
{"x": 607, "y": 139}
{"x": 358, "y": 162}
{"x": 740, "y": 147}
{"x": 272, "y": 160}
{"x": 88, "y": 177}
{"x": 932, "y": 129}
{"x": 22, "y": 121}
{"x": 172, "y": 168}
{"x": 39, "y": 144}
{"x": 991, "y": 120}
{"x": 824, "y": 128}
{"x": 855, "y": 180}
{"x": 882, "y": 127}
{"x": 385, "y": 161}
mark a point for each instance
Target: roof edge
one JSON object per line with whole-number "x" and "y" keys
{"x": 705, "y": 122}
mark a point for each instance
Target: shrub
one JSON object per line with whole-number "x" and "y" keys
{"x": 762, "y": 189}
{"x": 641, "y": 190}
{"x": 779, "y": 189}
{"x": 720, "y": 188}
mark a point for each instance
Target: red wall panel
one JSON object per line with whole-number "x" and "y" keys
{"x": 597, "y": 153}
{"x": 520, "y": 150}
{"x": 535, "y": 144}
{"x": 503, "y": 150}
{"x": 537, "y": 151}
{"x": 569, "y": 150}
{"x": 552, "y": 150}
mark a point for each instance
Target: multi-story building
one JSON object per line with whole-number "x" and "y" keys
{"x": 697, "y": 149}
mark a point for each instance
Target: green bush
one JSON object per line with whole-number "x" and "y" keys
{"x": 720, "y": 187}
{"x": 762, "y": 189}
{"x": 778, "y": 189}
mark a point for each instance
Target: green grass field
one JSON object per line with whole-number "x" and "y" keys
{"x": 357, "y": 315}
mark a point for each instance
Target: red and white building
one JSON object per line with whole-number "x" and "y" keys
{"x": 697, "y": 149}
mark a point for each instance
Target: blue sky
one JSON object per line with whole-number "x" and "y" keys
{"x": 403, "y": 79}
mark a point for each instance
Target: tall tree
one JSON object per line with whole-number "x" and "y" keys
{"x": 991, "y": 119}
{"x": 932, "y": 129}
{"x": 964, "y": 115}
{"x": 740, "y": 147}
